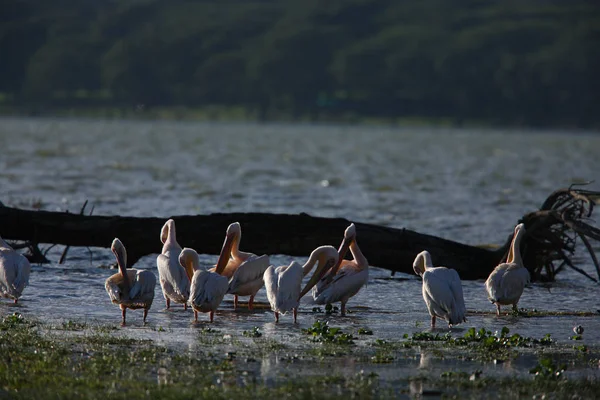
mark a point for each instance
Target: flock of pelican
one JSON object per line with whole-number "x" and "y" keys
{"x": 239, "y": 273}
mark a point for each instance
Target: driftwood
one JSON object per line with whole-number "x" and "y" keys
{"x": 551, "y": 235}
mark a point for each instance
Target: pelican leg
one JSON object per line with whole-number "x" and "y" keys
{"x": 343, "y": 309}
{"x": 497, "y": 309}
{"x": 515, "y": 308}
{"x": 16, "y": 300}
{"x": 251, "y": 303}
{"x": 145, "y": 315}
{"x": 276, "y": 316}
{"x": 185, "y": 306}
{"x": 195, "y": 316}
{"x": 235, "y": 301}
{"x": 168, "y": 302}
{"x": 212, "y": 315}
{"x": 123, "y": 310}
{"x": 432, "y": 321}
{"x": 295, "y": 316}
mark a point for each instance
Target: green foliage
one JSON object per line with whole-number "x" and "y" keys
{"x": 365, "y": 331}
{"x": 331, "y": 309}
{"x": 321, "y": 332}
{"x": 255, "y": 332}
{"x": 483, "y": 339}
{"x": 11, "y": 321}
{"x": 428, "y": 337}
{"x": 547, "y": 369}
{"x": 499, "y": 62}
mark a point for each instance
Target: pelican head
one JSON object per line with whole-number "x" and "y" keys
{"x": 188, "y": 259}
{"x": 167, "y": 229}
{"x": 516, "y": 241}
{"x": 422, "y": 262}
{"x": 234, "y": 231}
{"x": 327, "y": 257}
{"x": 349, "y": 237}
{"x": 120, "y": 253}
{"x": 519, "y": 227}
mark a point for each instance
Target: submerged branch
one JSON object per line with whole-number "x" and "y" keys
{"x": 550, "y": 239}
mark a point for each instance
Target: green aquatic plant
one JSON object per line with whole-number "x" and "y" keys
{"x": 382, "y": 356}
{"x": 455, "y": 374}
{"x": 501, "y": 339}
{"x": 11, "y": 321}
{"x": 582, "y": 348}
{"x": 322, "y": 332}
{"x": 547, "y": 369}
{"x": 255, "y": 332}
{"x": 428, "y": 337}
{"x": 73, "y": 326}
{"x": 365, "y": 331}
{"x": 331, "y": 309}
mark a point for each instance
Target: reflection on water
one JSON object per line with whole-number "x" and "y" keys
{"x": 465, "y": 185}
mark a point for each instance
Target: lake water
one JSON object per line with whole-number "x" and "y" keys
{"x": 469, "y": 185}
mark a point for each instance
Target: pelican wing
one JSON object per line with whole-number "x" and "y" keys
{"x": 459, "y": 310}
{"x": 283, "y": 286}
{"x": 23, "y": 270}
{"x": 207, "y": 290}
{"x": 272, "y": 285}
{"x": 250, "y": 270}
{"x": 14, "y": 272}
{"x": 506, "y": 283}
{"x": 437, "y": 291}
{"x": 346, "y": 283}
{"x": 493, "y": 284}
{"x": 142, "y": 289}
{"x": 173, "y": 279}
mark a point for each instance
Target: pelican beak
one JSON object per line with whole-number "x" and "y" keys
{"x": 344, "y": 247}
{"x": 121, "y": 263}
{"x": 187, "y": 266}
{"x": 322, "y": 268}
{"x": 225, "y": 253}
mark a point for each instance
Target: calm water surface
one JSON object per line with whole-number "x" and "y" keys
{"x": 467, "y": 185}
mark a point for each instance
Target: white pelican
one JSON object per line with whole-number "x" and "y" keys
{"x": 283, "y": 283}
{"x": 347, "y": 277}
{"x": 129, "y": 288}
{"x": 207, "y": 288}
{"x": 14, "y": 272}
{"x": 506, "y": 282}
{"x": 244, "y": 270}
{"x": 173, "y": 279}
{"x": 442, "y": 290}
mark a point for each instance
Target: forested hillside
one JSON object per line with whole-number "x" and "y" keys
{"x": 527, "y": 62}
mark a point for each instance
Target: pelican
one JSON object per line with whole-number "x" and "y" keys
{"x": 14, "y": 272}
{"x": 442, "y": 290}
{"x": 207, "y": 288}
{"x": 346, "y": 278}
{"x": 506, "y": 282}
{"x": 173, "y": 279}
{"x": 129, "y": 288}
{"x": 283, "y": 283}
{"x": 244, "y": 270}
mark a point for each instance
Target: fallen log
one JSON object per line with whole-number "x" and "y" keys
{"x": 297, "y": 235}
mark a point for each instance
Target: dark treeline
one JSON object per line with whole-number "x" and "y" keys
{"x": 532, "y": 62}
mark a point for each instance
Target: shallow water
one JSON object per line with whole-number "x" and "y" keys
{"x": 467, "y": 185}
